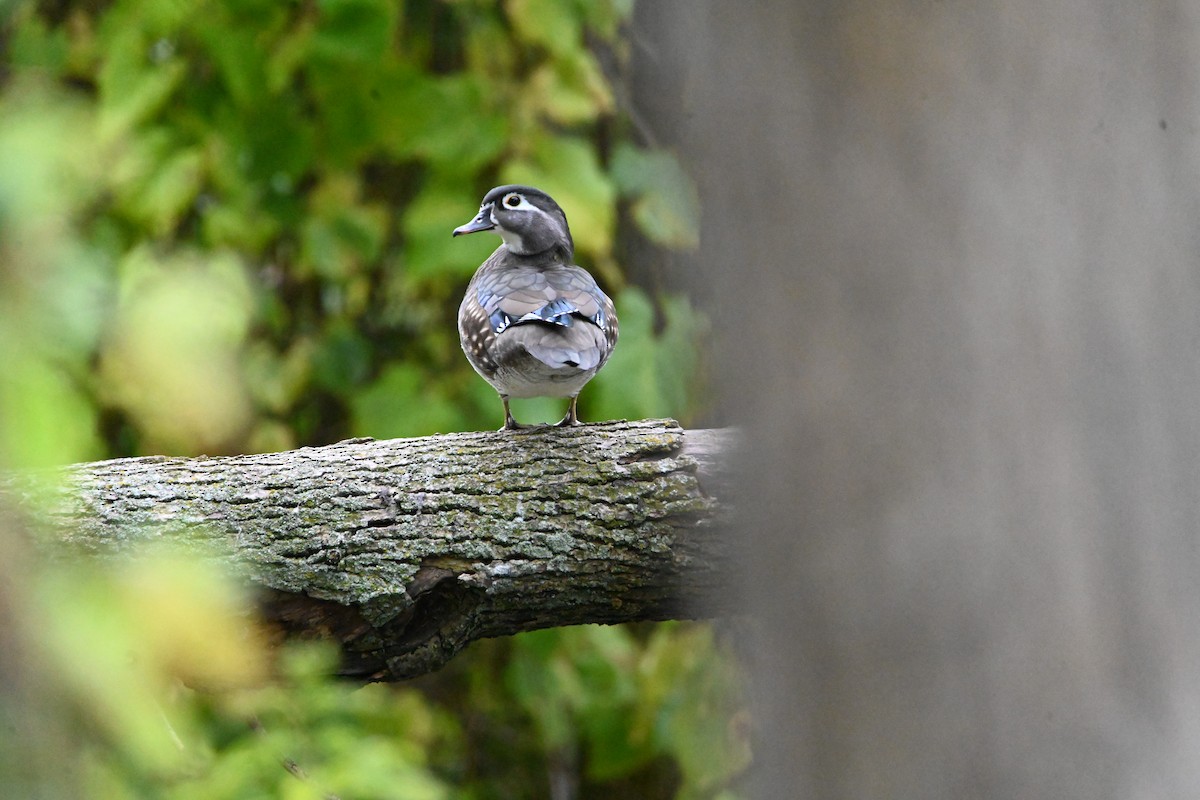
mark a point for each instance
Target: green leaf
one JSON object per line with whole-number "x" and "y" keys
{"x": 166, "y": 190}
{"x": 269, "y": 142}
{"x": 665, "y": 204}
{"x": 696, "y": 688}
{"x": 553, "y": 24}
{"x": 45, "y": 418}
{"x": 341, "y": 244}
{"x": 450, "y": 121}
{"x": 34, "y": 44}
{"x": 350, "y": 108}
{"x": 403, "y": 401}
{"x": 536, "y": 410}
{"x": 341, "y": 235}
{"x": 429, "y": 247}
{"x": 606, "y": 16}
{"x": 290, "y": 54}
{"x": 541, "y": 680}
{"x": 276, "y": 379}
{"x": 51, "y": 163}
{"x": 239, "y": 57}
{"x": 356, "y": 31}
{"x": 132, "y": 90}
{"x": 342, "y": 359}
{"x": 649, "y": 374}
{"x": 170, "y": 361}
{"x": 571, "y": 89}
{"x": 242, "y": 227}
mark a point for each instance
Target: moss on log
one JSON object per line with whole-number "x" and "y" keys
{"x": 406, "y": 550}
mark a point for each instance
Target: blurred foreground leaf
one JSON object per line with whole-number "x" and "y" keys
{"x": 123, "y": 639}
{"x": 171, "y": 360}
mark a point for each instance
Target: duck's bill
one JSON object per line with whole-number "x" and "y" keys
{"x": 482, "y": 222}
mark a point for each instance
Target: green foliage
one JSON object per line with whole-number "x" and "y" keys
{"x": 160, "y": 666}
{"x": 332, "y": 147}
{"x": 657, "y": 352}
{"x": 138, "y": 631}
{"x": 665, "y": 204}
{"x": 225, "y": 227}
{"x": 373, "y": 742}
{"x": 628, "y": 703}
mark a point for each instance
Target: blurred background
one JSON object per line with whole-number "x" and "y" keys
{"x": 944, "y": 260}
{"x": 225, "y": 228}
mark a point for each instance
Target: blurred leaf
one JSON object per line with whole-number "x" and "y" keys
{"x": 341, "y": 235}
{"x": 51, "y": 159}
{"x": 255, "y": 148}
{"x": 532, "y": 410}
{"x": 341, "y": 359}
{"x": 153, "y": 17}
{"x": 54, "y": 290}
{"x": 352, "y": 107}
{"x": 236, "y": 227}
{"x": 571, "y": 89}
{"x": 606, "y": 663}
{"x": 137, "y": 629}
{"x": 171, "y": 361}
{"x": 33, "y": 43}
{"x": 665, "y": 204}
{"x": 404, "y": 401}
{"x": 429, "y": 247}
{"x": 451, "y": 121}
{"x": 130, "y": 88}
{"x": 47, "y": 420}
{"x": 351, "y": 742}
{"x": 540, "y": 679}
{"x": 699, "y": 692}
{"x": 164, "y": 191}
{"x": 236, "y": 214}
{"x": 276, "y": 380}
{"x": 358, "y": 31}
{"x": 290, "y": 54}
{"x": 68, "y": 316}
{"x": 240, "y": 60}
{"x": 341, "y": 244}
{"x": 650, "y": 374}
{"x": 488, "y": 41}
{"x": 605, "y": 16}
{"x": 271, "y": 436}
{"x": 553, "y": 24}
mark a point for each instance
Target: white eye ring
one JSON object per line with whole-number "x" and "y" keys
{"x": 514, "y": 201}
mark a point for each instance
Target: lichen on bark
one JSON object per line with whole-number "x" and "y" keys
{"x": 406, "y": 550}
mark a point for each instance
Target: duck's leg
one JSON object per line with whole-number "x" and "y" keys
{"x": 510, "y": 424}
{"x": 572, "y": 417}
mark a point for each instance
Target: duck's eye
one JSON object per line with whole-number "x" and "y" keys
{"x": 512, "y": 200}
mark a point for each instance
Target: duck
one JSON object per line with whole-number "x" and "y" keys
{"x": 532, "y": 322}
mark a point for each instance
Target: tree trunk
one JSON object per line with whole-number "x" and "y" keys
{"x": 955, "y": 253}
{"x": 406, "y": 550}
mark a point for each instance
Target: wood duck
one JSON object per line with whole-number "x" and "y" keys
{"x": 532, "y": 323}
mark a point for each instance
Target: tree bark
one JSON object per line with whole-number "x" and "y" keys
{"x": 404, "y": 551}
{"x": 953, "y": 250}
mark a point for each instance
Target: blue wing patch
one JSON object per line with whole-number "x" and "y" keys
{"x": 500, "y": 321}
{"x": 557, "y": 312}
